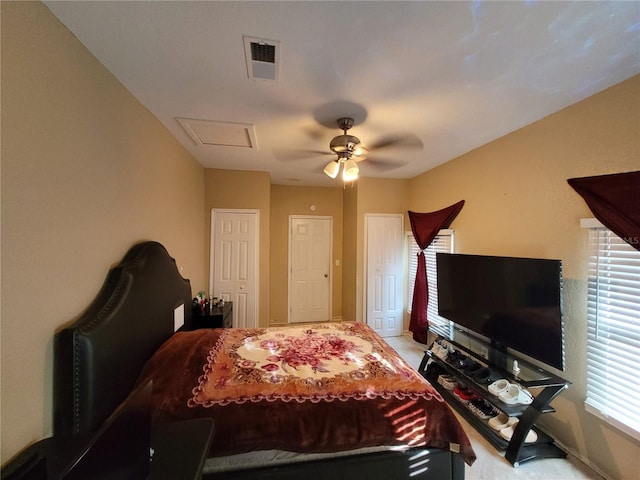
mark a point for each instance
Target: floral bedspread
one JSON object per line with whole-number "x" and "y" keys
{"x": 309, "y": 388}
{"x": 324, "y": 362}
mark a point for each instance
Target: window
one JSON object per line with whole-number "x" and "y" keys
{"x": 442, "y": 243}
{"x": 613, "y": 330}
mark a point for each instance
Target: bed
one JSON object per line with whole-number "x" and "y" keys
{"x": 253, "y": 382}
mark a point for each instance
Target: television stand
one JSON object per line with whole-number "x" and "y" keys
{"x": 517, "y": 451}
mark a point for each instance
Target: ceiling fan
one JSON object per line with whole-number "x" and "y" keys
{"x": 350, "y": 151}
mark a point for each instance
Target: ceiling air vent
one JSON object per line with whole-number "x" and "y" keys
{"x": 263, "y": 58}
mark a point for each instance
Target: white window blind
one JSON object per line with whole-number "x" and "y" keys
{"x": 613, "y": 331}
{"x": 442, "y": 243}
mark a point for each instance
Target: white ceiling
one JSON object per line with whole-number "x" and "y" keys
{"x": 455, "y": 74}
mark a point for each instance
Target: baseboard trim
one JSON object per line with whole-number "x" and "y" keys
{"x": 572, "y": 452}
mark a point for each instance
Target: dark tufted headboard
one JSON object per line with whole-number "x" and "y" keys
{"x": 99, "y": 357}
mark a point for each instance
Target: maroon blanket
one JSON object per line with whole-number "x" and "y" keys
{"x": 311, "y": 388}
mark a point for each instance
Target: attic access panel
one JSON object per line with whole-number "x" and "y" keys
{"x": 214, "y": 133}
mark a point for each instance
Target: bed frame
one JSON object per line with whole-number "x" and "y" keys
{"x": 99, "y": 356}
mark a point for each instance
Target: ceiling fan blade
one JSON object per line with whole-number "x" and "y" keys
{"x": 296, "y": 155}
{"x": 383, "y": 165}
{"x": 406, "y": 141}
{"x": 315, "y": 132}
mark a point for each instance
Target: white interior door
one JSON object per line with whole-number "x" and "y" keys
{"x": 310, "y": 240}
{"x": 234, "y": 262}
{"x": 384, "y": 273}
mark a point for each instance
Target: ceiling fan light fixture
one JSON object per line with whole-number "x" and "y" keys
{"x": 344, "y": 143}
{"x": 349, "y": 178}
{"x": 359, "y": 150}
{"x": 332, "y": 169}
{"x": 350, "y": 170}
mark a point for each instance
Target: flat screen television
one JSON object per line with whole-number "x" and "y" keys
{"x": 514, "y": 302}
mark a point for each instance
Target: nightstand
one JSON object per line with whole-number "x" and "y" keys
{"x": 220, "y": 317}
{"x": 179, "y": 451}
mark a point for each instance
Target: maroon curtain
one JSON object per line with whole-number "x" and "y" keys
{"x": 425, "y": 227}
{"x": 615, "y": 201}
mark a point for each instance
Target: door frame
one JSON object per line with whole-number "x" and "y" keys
{"x": 330, "y": 260}
{"x": 256, "y": 281}
{"x": 365, "y": 262}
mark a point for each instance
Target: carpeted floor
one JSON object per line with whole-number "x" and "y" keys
{"x": 490, "y": 464}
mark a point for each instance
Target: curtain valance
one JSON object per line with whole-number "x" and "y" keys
{"x": 615, "y": 201}
{"x": 425, "y": 227}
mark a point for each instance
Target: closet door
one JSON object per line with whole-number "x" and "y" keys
{"x": 384, "y": 273}
{"x": 234, "y": 262}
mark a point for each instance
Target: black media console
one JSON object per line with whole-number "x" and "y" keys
{"x": 545, "y": 385}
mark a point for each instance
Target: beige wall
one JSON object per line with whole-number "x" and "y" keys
{"x": 518, "y": 203}
{"x": 286, "y": 201}
{"x": 235, "y": 189}
{"x": 86, "y": 172}
{"x": 350, "y": 254}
